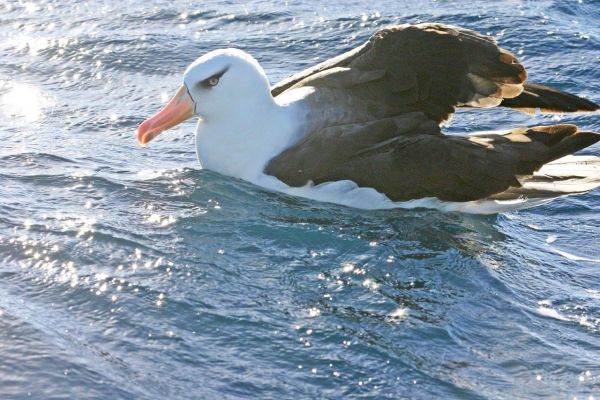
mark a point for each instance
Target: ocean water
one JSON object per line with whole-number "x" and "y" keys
{"x": 129, "y": 272}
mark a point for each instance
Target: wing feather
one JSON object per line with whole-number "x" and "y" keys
{"x": 421, "y": 163}
{"x": 402, "y": 83}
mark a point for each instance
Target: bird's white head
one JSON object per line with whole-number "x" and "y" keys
{"x": 220, "y": 85}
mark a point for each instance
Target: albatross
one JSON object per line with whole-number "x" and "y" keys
{"x": 363, "y": 129}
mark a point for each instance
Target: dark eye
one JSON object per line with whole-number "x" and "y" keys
{"x": 213, "y": 81}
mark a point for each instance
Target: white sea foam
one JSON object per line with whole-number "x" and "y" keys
{"x": 574, "y": 257}
{"x": 550, "y": 313}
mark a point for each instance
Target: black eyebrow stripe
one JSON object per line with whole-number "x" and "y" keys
{"x": 205, "y": 82}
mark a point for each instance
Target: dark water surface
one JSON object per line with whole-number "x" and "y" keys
{"x": 129, "y": 272}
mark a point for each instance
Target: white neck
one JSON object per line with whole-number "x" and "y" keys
{"x": 241, "y": 144}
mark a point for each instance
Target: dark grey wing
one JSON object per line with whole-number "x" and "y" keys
{"x": 402, "y": 83}
{"x": 405, "y": 159}
{"x": 431, "y": 68}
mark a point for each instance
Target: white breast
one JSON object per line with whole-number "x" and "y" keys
{"x": 242, "y": 146}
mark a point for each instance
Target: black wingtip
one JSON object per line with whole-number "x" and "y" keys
{"x": 575, "y": 142}
{"x": 549, "y": 100}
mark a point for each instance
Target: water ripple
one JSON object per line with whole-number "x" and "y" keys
{"x": 129, "y": 272}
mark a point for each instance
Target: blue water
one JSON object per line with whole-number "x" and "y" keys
{"x": 129, "y": 272}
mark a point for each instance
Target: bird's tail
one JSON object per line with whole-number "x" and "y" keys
{"x": 546, "y": 99}
{"x": 565, "y": 176}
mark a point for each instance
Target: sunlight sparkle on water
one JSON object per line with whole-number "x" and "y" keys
{"x": 24, "y": 101}
{"x": 398, "y": 314}
{"x": 160, "y": 220}
{"x": 314, "y": 312}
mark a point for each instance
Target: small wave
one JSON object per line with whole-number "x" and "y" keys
{"x": 32, "y": 158}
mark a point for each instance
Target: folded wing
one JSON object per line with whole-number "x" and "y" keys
{"x": 406, "y": 80}
{"x": 419, "y": 164}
